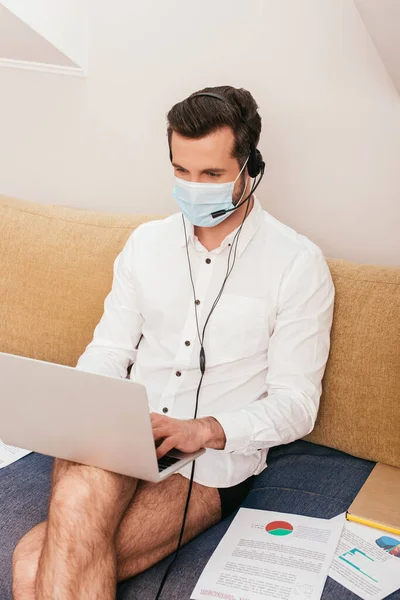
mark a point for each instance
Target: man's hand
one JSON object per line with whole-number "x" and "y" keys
{"x": 186, "y": 435}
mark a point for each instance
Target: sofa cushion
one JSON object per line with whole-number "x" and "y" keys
{"x": 360, "y": 406}
{"x": 56, "y": 266}
{"x": 301, "y": 478}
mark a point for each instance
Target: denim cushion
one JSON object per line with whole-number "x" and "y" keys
{"x": 301, "y": 478}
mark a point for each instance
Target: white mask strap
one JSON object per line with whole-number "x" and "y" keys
{"x": 241, "y": 170}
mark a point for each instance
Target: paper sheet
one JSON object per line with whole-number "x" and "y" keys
{"x": 367, "y": 561}
{"x": 10, "y": 454}
{"x": 270, "y": 555}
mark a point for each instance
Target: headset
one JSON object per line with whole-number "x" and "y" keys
{"x": 255, "y": 168}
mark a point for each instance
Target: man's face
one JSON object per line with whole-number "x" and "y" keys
{"x": 208, "y": 159}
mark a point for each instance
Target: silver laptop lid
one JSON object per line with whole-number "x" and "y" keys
{"x": 72, "y": 414}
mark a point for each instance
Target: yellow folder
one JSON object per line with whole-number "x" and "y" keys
{"x": 378, "y": 502}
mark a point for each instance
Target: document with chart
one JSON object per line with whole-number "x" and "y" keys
{"x": 271, "y": 555}
{"x": 367, "y": 561}
{"x": 9, "y": 454}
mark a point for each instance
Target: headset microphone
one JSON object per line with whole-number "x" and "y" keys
{"x": 219, "y": 213}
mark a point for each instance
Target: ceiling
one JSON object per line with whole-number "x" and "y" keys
{"x": 21, "y": 43}
{"x": 382, "y": 20}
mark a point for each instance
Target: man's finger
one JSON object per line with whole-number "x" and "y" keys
{"x": 165, "y": 447}
{"x": 155, "y": 418}
{"x": 159, "y": 432}
{"x": 158, "y": 418}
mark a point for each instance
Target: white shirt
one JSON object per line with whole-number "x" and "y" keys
{"x": 266, "y": 344}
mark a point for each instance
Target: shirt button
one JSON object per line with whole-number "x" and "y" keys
{"x": 187, "y": 343}
{"x": 197, "y": 302}
{"x": 165, "y": 409}
{"x": 178, "y": 373}
{"x": 208, "y": 260}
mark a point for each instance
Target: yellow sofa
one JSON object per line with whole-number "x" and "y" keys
{"x": 56, "y": 269}
{"x": 56, "y": 266}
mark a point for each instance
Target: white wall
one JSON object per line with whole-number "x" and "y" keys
{"x": 331, "y": 115}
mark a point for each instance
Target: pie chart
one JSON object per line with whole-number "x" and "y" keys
{"x": 279, "y": 528}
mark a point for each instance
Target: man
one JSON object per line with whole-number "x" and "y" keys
{"x": 265, "y": 346}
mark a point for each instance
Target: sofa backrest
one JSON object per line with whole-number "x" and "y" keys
{"x": 360, "y": 405}
{"x": 56, "y": 268}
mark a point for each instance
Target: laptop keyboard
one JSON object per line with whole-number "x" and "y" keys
{"x": 166, "y": 461}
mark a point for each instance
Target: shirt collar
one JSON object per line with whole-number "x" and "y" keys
{"x": 250, "y": 227}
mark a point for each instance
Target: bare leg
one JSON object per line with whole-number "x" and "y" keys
{"x": 78, "y": 559}
{"x": 26, "y": 562}
{"x": 148, "y": 531}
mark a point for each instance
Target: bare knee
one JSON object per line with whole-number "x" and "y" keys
{"x": 72, "y": 494}
{"x": 25, "y": 560}
{"x": 75, "y": 508}
{"x": 24, "y": 571}
{"x": 88, "y": 498}
{"x": 31, "y": 543}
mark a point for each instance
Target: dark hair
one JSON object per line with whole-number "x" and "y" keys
{"x": 197, "y": 117}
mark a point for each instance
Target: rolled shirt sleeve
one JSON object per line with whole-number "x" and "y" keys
{"x": 297, "y": 356}
{"x": 114, "y": 345}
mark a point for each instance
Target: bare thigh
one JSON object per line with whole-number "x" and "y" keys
{"x": 149, "y": 530}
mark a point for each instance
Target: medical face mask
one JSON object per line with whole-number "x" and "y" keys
{"x": 198, "y": 200}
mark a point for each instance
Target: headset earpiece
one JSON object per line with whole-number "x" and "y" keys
{"x": 255, "y": 164}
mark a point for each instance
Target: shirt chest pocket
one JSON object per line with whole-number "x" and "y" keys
{"x": 237, "y": 329}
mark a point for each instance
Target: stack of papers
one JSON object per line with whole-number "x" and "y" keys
{"x": 284, "y": 556}
{"x": 9, "y": 454}
{"x": 367, "y": 561}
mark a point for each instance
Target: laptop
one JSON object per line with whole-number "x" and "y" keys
{"x": 84, "y": 417}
